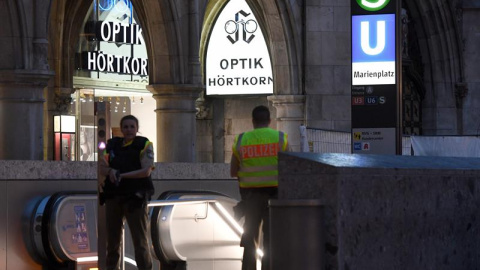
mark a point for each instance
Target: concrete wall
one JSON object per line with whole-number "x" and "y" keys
{"x": 23, "y": 183}
{"x": 390, "y": 212}
{"x": 226, "y": 118}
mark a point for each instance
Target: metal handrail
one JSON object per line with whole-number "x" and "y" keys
{"x": 223, "y": 213}
{"x": 180, "y": 202}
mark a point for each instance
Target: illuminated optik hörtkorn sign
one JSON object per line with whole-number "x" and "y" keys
{"x": 114, "y": 32}
{"x": 373, "y": 49}
{"x": 237, "y": 59}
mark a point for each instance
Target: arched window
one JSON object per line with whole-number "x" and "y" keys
{"x": 111, "y": 65}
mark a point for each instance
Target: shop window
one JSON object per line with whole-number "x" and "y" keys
{"x": 111, "y": 65}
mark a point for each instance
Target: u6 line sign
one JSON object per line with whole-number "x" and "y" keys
{"x": 375, "y": 77}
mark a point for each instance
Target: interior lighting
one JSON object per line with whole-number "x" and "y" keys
{"x": 101, "y": 145}
{"x": 130, "y": 261}
{"x": 260, "y": 252}
{"x": 88, "y": 259}
{"x": 229, "y": 217}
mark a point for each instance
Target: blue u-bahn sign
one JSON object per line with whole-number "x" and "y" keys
{"x": 373, "y": 49}
{"x": 375, "y": 61}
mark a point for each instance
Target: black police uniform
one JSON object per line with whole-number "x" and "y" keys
{"x": 127, "y": 200}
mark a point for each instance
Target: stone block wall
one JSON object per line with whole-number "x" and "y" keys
{"x": 238, "y": 119}
{"x": 471, "y": 32}
{"x": 327, "y": 66}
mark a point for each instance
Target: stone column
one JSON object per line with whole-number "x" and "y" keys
{"x": 176, "y": 133}
{"x": 290, "y": 115}
{"x": 21, "y": 113}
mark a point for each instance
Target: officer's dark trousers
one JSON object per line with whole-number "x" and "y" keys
{"x": 134, "y": 210}
{"x": 255, "y": 201}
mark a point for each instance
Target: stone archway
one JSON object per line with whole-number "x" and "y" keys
{"x": 283, "y": 41}
{"x": 173, "y": 82}
{"x": 280, "y": 25}
{"x": 286, "y": 49}
{"x": 173, "y": 28}
{"x": 437, "y": 25}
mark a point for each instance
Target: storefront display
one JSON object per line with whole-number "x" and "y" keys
{"x": 111, "y": 66}
{"x": 64, "y": 137}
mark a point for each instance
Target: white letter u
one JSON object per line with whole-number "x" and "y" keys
{"x": 365, "y": 38}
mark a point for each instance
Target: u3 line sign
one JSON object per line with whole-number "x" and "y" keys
{"x": 375, "y": 77}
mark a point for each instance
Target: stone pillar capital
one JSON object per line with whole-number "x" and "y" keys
{"x": 23, "y": 77}
{"x": 176, "y": 132}
{"x": 175, "y": 97}
{"x": 21, "y": 103}
{"x": 60, "y": 99}
{"x": 290, "y": 115}
{"x": 175, "y": 90}
{"x": 289, "y": 106}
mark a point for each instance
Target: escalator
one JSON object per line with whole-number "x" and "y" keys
{"x": 192, "y": 230}
{"x": 198, "y": 228}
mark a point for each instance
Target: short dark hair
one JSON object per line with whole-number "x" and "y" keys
{"x": 261, "y": 115}
{"x": 129, "y": 117}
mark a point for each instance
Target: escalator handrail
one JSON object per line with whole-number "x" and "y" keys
{"x": 228, "y": 219}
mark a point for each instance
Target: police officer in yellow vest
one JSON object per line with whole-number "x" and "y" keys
{"x": 255, "y": 163}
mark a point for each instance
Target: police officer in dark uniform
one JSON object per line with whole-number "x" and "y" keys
{"x": 127, "y": 164}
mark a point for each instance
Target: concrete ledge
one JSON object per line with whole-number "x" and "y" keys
{"x": 31, "y": 169}
{"x": 391, "y": 212}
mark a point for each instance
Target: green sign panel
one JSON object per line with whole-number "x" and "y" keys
{"x": 372, "y": 5}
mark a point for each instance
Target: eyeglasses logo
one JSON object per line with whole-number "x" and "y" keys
{"x": 248, "y": 27}
{"x": 107, "y": 5}
{"x": 372, "y": 5}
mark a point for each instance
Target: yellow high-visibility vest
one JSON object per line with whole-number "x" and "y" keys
{"x": 257, "y": 152}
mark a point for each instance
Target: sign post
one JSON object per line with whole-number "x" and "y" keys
{"x": 102, "y": 110}
{"x": 376, "y": 77}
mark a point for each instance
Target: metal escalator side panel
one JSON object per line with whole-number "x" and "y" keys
{"x": 164, "y": 233}
{"x": 201, "y": 231}
{"x": 52, "y": 257}
{"x": 33, "y": 229}
{"x": 192, "y": 230}
{"x": 73, "y": 227}
{"x": 164, "y": 238}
